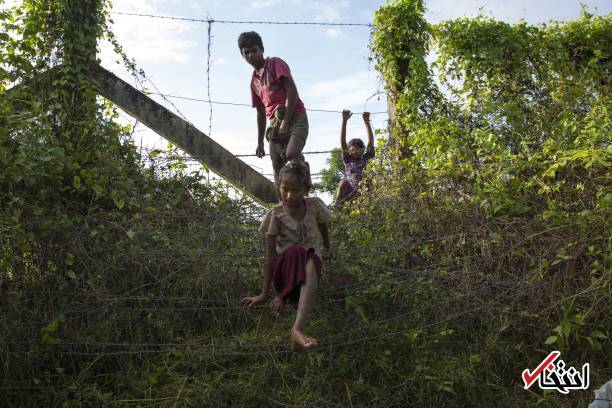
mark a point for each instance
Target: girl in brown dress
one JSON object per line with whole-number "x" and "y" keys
{"x": 297, "y": 239}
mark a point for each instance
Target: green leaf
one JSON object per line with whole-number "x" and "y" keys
{"x": 49, "y": 340}
{"x": 475, "y": 358}
{"x": 495, "y": 237}
{"x": 597, "y": 334}
{"x": 150, "y": 210}
{"x": 71, "y": 274}
{"x": 99, "y": 190}
{"x": 119, "y": 202}
{"x": 130, "y": 234}
{"x": 551, "y": 340}
{"x": 154, "y": 153}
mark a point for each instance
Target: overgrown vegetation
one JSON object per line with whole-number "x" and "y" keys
{"x": 331, "y": 176}
{"x": 480, "y": 244}
{"x": 498, "y": 165}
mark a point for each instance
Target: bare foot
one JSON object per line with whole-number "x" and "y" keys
{"x": 299, "y": 339}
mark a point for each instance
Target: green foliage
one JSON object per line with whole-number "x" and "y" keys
{"x": 331, "y": 176}
{"x": 83, "y": 217}
{"x": 51, "y": 330}
{"x": 520, "y": 103}
{"x": 501, "y": 142}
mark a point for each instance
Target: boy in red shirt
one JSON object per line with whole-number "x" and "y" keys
{"x": 275, "y": 96}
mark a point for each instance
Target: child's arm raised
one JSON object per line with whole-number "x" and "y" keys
{"x": 270, "y": 254}
{"x": 366, "y": 121}
{"x": 261, "y": 130}
{"x": 346, "y": 114}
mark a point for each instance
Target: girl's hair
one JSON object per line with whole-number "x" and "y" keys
{"x": 298, "y": 168}
{"x": 357, "y": 142}
{"x": 248, "y": 39}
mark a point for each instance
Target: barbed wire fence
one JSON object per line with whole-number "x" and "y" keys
{"x": 136, "y": 301}
{"x": 212, "y": 20}
{"x": 171, "y": 296}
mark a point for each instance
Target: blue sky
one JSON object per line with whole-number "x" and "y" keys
{"x": 330, "y": 65}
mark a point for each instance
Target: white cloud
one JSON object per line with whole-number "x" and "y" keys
{"x": 220, "y": 60}
{"x": 347, "y": 92}
{"x": 149, "y": 39}
{"x": 333, "y": 33}
{"x": 330, "y": 11}
{"x": 263, "y": 3}
{"x": 260, "y": 4}
{"x": 200, "y": 8}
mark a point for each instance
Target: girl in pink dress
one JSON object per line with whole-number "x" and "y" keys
{"x": 355, "y": 156}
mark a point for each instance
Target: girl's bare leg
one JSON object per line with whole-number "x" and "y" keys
{"x": 339, "y": 196}
{"x": 307, "y": 291}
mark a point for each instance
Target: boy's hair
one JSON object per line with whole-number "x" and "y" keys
{"x": 299, "y": 168}
{"x": 249, "y": 39}
{"x": 357, "y": 142}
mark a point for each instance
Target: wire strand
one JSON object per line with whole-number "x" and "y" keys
{"x": 248, "y": 105}
{"x": 211, "y": 20}
{"x": 208, "y": 79}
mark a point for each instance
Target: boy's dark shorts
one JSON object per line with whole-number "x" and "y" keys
{"x": 298, "y": 126}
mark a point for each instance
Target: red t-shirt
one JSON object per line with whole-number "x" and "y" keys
{"x": 267, "y": 89}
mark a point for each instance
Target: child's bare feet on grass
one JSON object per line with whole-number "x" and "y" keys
{"x": 300, "y": 340}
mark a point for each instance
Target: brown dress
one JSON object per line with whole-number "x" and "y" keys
{"x": 296, "y": 242}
